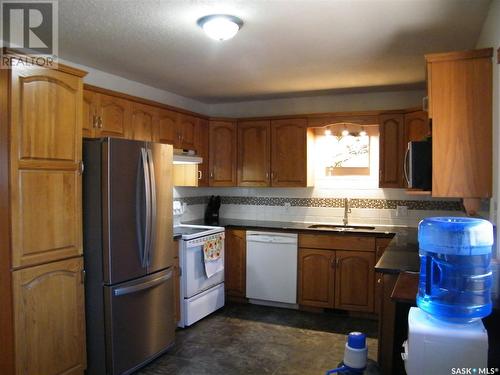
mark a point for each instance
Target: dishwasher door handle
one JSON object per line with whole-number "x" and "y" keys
{"x": 275, "y": 240}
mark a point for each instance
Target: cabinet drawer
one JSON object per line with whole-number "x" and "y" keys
{"x": 333, "y": 242}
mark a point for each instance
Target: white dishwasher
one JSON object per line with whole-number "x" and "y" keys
{"x": 272, "y": 267}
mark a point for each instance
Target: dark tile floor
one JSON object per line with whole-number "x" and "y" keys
{"x": 251, "y": 339}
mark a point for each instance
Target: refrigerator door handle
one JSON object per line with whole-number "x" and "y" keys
{"x": 147, "y": 285}
{"x": 147, "y": 190}
{"x": 153, "y": 228}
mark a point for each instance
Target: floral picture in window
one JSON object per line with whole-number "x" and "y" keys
{"x": 349, "y": 155}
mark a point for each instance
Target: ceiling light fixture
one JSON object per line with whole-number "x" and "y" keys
{"x": 345, "y": 132}
{"x": 220, "y": 26}
{"x": 328, "y": 132}
{"x": 362, "y": 133}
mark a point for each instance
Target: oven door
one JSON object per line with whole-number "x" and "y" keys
{"x": 194, "y": 278}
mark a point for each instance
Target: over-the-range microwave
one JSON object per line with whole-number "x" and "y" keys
{"x": 418, "y": 165}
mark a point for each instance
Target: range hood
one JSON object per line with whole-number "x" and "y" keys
{"x": 186, "y": 157}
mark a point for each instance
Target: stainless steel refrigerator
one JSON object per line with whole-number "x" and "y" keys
{"x": 128, "y": 253}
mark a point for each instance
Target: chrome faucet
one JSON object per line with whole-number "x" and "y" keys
{"x": 347, "y": 211}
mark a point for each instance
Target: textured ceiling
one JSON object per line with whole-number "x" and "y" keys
{"x": 284, "y": 47}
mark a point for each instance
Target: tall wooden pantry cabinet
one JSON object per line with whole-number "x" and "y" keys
{"x": 42, "y": 322}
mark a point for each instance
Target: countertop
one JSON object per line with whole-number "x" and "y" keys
{"x": 401, "y": 254}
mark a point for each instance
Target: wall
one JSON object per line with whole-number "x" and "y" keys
{"x": 113, "y": 82}
{"x": 339, "y": 102}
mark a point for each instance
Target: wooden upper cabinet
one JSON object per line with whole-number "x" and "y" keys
{"x": 354, "y": 281}
{"x": 114, "y": 116}
{"x": 166, "y": 126}
{"x": 45, "y": 147}
{"x": 49, "y": 321}
{"x": 222, "y": 151}
{"x": 392, "y": 148}
{"x": 89, "y": 110}
{"x": 417, "y": 126}
{"x": 289, "y": 145}
{"x": 141, "y": 122}
{"x": 201, "y": 146}
{"x": 254, "y": 153}
{"x": 460, "y": 105}
{"x": 186, "y": 128}
{"x": 316, "y": 277}
{"x": 235, "y": 263}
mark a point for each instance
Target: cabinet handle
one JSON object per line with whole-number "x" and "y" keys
{"x": 337, "y": 262}
{"x": 81, "y": 167}
{"x": 200, "y": 175}
{"x": 267, "y": 175}
{"x": 272, "y": 175}
{"x": 211, "y": 174}
{"x": 83, "y": 276}
{"x": 425, "y": 103}
{"x": 94, "y": 121}
{"x": 99, "y": 122}
{"x": 379, "y": 281}
{"x": 332, "y": 262}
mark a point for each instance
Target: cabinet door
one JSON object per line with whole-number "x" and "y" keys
{"x": 461, "y": 105}
{"x": 222, "y": 151}
{"x": 114, "y": 116}
{"x": 45, "y": 156}
{"x": 186, "y": 131}
{"x": 235, "y": 263}
{"x": 201, "y": 147}
{"x": 166, "y": 126}
{"x": 354, "y": 281}
{"x": 417, "y": 126}
{"x": 391, "y": 151}
{"x": 141, "y": 122}
{"x": 89, "y": 111}
{"x": 49, "y": 319}
{"x": 381, "y": 244}
{"x": 316, "y": 277}
{"x": 254, "y": 153}
{"x": 289, "y": 152}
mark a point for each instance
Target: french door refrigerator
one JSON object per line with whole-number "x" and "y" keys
{"x": 128, "y": 253}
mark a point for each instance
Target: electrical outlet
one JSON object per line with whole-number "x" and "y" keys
{"x": 402, "y": 211}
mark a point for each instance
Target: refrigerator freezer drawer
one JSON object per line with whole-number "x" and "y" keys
{"x": 203, "y": 304}
{"x": 139, "y": 321}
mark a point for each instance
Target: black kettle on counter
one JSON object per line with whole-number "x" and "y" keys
{"x": 212, "y": 211}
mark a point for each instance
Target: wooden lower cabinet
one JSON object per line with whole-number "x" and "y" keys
{"x": 354, "y": 280}
{"x": 235, "y": 263}
{"x": 336, "y": 277}
{"x": 316, "y": 278}
{"x": 49, "y": 318}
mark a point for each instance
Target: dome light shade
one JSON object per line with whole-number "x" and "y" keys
{"x": 220, "y": 26}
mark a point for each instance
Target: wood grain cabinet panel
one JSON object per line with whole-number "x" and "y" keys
{"x": 289, "y": 152}
{"x": 89, "y": 110}
{"x": 316, "y": 277}
{"x": 166, "y": 126}
{"x": 222, "y": 151}
{"x": 254, "y": 153}
{"x": 417, "y": 126}
{"x": 201, "y": 146}
{"x": 354, "y": 280}
{"x": 460, "y": 101}
{"x": 141, "y": 122}
{"x": 114, "y": 116}
{"x": 235, "y": 263}
{"x": 45, "y": 176}
{"x": 186, "y": 129}
{"x": 392, "y": 148}
{"x": 49, "y": 319}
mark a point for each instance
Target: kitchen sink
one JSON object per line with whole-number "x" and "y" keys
{"x": 340, "y": 227}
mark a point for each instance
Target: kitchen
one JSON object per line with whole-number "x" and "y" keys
{"x": 302, "y": 158}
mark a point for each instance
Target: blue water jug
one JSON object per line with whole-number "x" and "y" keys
{"x": 455, "y": 274}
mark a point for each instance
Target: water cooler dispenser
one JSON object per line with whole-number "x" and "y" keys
{"x": 445, "y": 331}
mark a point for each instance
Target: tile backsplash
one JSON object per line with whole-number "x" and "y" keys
{"x": 321, "y": 209}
